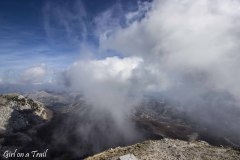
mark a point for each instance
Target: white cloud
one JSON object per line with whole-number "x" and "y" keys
{"x": 186, "y": 37}
{"x": 190, "y": 52}
{"x": 104, "y": 82}
{"x": 109, "y": 68}
{"x": 70, "y": 21}
{"x": 36, "y": 75}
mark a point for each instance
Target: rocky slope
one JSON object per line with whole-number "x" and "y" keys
{"x": 18, "y": 112}
{"x": 169, "y": 149}
{"x": 20, "y": 117}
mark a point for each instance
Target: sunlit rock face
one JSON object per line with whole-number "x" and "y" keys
{"x": 18, "y": 112}
{"x": 20, "y": 118}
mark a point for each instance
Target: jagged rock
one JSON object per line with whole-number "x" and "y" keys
{"x": 18, "y": 113}
{"x": 166, "y": 149}
{"x": 20, "y": 118}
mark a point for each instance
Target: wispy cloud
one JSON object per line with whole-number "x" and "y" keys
{"x": 68, "y": 20}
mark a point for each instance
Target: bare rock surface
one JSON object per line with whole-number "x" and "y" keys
{"x": 18, "y": 113}
{"x": 169, "y": 149}
{"x": 20, "y": 119}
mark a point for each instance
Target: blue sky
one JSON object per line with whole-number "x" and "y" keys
{"x": 37, "y": 32}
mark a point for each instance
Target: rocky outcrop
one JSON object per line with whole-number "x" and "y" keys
{"x": 167, "y": 149}
{"x": 18, "y": 113}
{"x": 20, "y": 120}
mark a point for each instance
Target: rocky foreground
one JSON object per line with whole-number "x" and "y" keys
{"x": 18, "y": 113}
{"x": 169, "y": 149}
{"x": 20, "y": 118}
{"x": 76, "y": 131}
